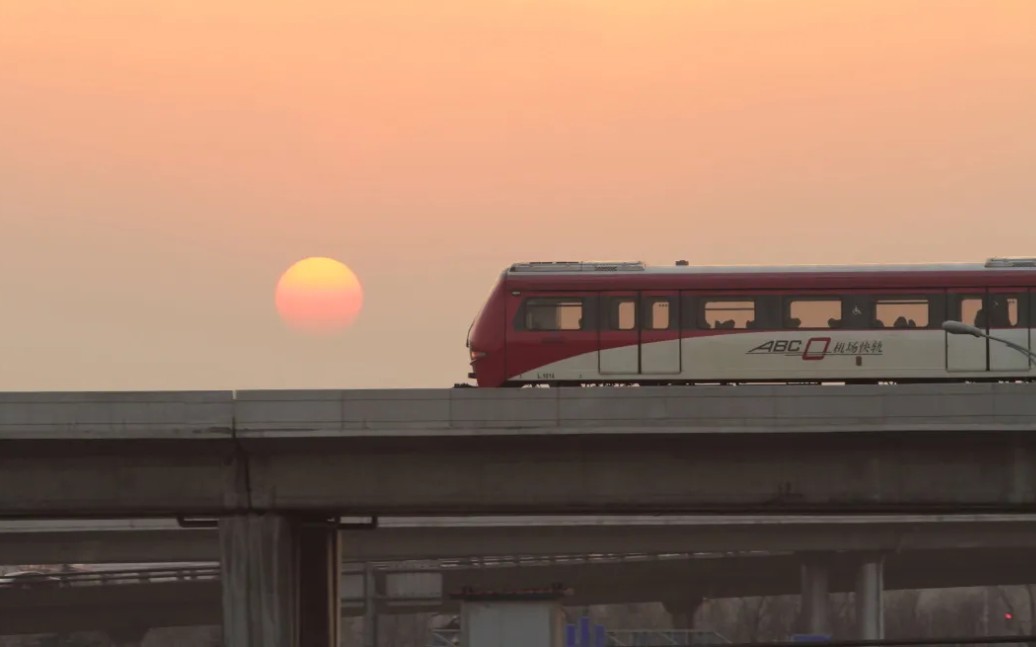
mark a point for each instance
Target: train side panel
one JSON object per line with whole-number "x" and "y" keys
{"x": 783, "y": 357}
{"x": 600, "y": 325}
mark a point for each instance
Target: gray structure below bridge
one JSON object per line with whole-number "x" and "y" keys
{"x": 678, "y": 581}
{"x": 868, "y": 594}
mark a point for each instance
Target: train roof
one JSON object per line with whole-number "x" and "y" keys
{"x": 567, "y": 268}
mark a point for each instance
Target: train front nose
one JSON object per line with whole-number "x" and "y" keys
{"x": 474, "y": 357}
{"x": 486, "y": 339}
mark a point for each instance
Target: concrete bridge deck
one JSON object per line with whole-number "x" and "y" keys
{"x": 746, "y": 449}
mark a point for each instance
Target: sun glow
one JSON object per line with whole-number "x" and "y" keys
{"x": 319, "y": 295}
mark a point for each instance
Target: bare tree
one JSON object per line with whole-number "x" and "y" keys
{"x": 751, "y": 613}
{"x": 901, "y": 614}
{"x": 629, "y": 616}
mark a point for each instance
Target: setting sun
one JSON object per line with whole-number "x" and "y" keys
{"x": 319, "y": 295}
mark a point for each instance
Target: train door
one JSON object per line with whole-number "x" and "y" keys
{"x": 618, "y": 336}
{"x": 1007, "y": 319}
{"x": 965, "y": 353}
{"x": 660, "y": 333}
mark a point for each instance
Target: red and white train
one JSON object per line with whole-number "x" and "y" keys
{"x": 580, "y": 323}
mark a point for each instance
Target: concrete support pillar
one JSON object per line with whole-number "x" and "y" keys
{"x": 682, "y": 611}
{"x": 280, "y": 581}
{"x": 320, "y": 574}
{"x": 815, "y": 584}
{"x": 370, "y": 606}
{"x": 870, "y": 586}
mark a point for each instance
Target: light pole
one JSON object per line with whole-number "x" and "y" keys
{"x": 960, "y": 328}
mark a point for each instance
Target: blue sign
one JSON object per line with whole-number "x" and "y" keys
{"x": 585, "y": 634}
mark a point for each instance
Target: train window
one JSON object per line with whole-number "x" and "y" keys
{"x": 724, "y": 314}
{"x": 1003, "y": 310}
{"x": 972, "y": 312}
{"x": 813, "y": 313}
{"x": 900, "y": 312}
{"x": 619, "y": 313}
{"x": 554, "y": 313}
{"x": 658, "y": 314}
{"x": 624, "y": 314}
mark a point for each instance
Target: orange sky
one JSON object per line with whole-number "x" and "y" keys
{"x": 163, "y": 162}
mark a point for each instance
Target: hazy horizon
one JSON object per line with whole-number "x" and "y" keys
{"x": 163, "y": 164}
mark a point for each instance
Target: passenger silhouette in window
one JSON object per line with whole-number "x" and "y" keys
{"x": 999, "y": 317}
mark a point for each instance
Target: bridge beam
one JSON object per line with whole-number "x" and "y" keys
{"x": 865, "y": 449}
{"x": 280, "y": 581}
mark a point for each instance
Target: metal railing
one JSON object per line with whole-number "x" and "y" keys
{"x": 680, "y": 637}
{"x": 95, "y": 578}
{"x": 211, "y": 571}
{"x": 614, "y": 638}
{"x": 498, "y": 561}
{"x": 684, "y": 637}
